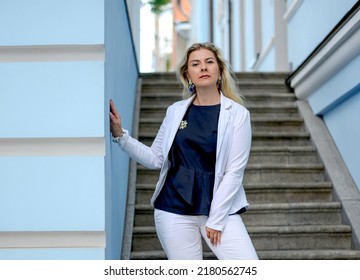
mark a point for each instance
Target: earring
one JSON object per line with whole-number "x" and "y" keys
{"x": 191, "y": 87}
{"x": 219, "y": 83}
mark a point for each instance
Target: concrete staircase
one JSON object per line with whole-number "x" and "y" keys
{"x": 292, "y": 214}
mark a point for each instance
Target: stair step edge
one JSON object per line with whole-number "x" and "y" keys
{"x": 302, "y": 185}
{"x": 319, "y": 206}
{"x": 270, "y": 255}
{"x": 272, "y": 229}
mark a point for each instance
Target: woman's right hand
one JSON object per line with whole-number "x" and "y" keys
{"x": 115, "y": 121}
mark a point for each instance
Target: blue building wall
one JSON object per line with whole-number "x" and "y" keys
{"x": 311, "y": 23}
{"x": 338, "y": 102}
{"x": 62, "y": 187}
{"x": 330, "y": 81}
{"x": 250, "y": 55}
{"x": 121, "y": 84}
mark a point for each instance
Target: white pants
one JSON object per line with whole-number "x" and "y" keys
{"x": 180, "y": 237}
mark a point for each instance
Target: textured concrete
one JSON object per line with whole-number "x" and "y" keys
{"x": 345, "y": 189}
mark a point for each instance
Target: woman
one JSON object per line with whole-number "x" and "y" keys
{"x": 202, "y": 149}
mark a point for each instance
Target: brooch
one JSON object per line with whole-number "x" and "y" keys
{"x": 183, "y": 124}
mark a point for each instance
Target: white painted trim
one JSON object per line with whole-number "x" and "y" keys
{"x": 264, "y": 52}
{"x": 52, "y": 53}
{"x": 339, "y": 51}
{"x": 290, "y": 12}
{"x": 242, "y": 37}
{"x": 257, "y": 27}
{"x": 52, "y": 146}
{"x": 280, "y": 40}
{"x": 52, "y": 239}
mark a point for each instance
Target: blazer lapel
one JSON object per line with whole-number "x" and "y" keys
{"x": 174, "y": 123}
{"x": 224, "y": 121}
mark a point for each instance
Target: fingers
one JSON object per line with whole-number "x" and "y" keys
{"x": 115, "y": 120}
{"x": 214, "y": 236}
{"x": 114, "y": 114}
{"x": 113, "y": 111}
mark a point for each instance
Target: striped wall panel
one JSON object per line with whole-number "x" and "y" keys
{"x": 52, "y": 135}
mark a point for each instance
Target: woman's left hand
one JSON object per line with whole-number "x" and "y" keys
{"x": 214, "y": 236}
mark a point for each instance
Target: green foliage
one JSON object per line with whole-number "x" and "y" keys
{"x": 157, "y": 5}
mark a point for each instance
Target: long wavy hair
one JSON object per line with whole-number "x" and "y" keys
{"x": 227, "y": 84}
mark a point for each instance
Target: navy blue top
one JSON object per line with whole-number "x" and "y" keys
{"x": 188, "y": 189}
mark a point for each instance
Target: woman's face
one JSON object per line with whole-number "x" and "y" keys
{"x": 203, "y": 69}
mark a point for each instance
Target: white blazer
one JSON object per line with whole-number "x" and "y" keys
{"x": 232, "y": 154}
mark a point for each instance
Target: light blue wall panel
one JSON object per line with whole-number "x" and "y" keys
{"x": 307, "y": 28}
{"x": 51, "y": 22}
{"x": 52, "y": 99}
{"x": 52, "y": 193}
{"x": 250, "y": 55}
{"x": 200, "y": 22}
{"x": 267, "y": 21}
{"x": 121, "y": 84}
{"x": 343, "y": 124}
{"x": 335, "y": 88}
{"x": 53, "y": 254}
{"x": 268, "y": 64}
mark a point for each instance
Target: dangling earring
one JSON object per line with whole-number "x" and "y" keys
{"x": 191, "y": 87}
{"x": 219, "y": 83}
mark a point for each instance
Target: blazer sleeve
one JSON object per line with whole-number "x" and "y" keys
{"x": 150, "y": 157}
{"x": 231, "y": 183}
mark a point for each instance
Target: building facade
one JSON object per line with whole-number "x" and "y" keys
{"x": 63, "y": 185}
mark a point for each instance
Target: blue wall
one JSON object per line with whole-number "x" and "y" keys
{"x": 331, "y": 80}
{"x": 250, "y": 55}
{"x": 338, "y": 101}
{"x": 311, "y": 24}
{"x": 121, "y": 82}
{"x": 51, "y": 22}
{"x": 52, "y": 93}
{"x": 52, "y": 97}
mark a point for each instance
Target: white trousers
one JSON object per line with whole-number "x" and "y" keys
{"x": 180, "y": 237}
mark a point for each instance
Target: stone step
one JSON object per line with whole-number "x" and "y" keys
{"x": 267, "y": 255}
{"x": 269, "y": 110}
{"x": 309, "y": 255}
{"x": 269, "y": 214}
{"x": 293, "y": 214}
{"x": 301, "y": 237}
{"x": 287, "y": 109}
{"x": 165, "y": 97}
{"x": 245, "y": 83}
{"x": 278, "y": 173}
{"x": 285, "y": 139}
{"x": 150, "y": 125}
{"x": 284, "y": 155}
{"x": 288, "y": 192}
{"x": 259, "y": 173}
{"x": 304, "y": 237}
{"x": 248, "y": 77}
{"x": 265, "y": 192}
{"x": 242, "y": 77}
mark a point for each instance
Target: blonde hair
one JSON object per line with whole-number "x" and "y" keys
{"x": 228, "y": 84}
